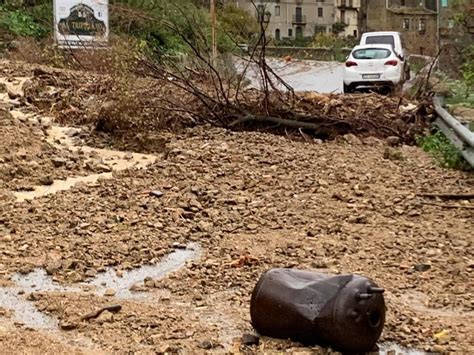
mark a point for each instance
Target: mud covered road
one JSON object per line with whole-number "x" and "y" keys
{"x": 172, "y": 243}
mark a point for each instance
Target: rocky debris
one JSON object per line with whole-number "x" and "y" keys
{"x": 393, "y": 154}
{"x": 46, "y": 180}
{"x": 109, "y": 292}
{"x": 250, "y": 339}
{"x": 67, "y": 325}
{"x": 242, "y": 196}
{"x": 96, "y": 313}
{"x": 422, "y": 267}
{"x": 156, "y": 193}
{"x": 393, "y": 141}
{"x": 28, "y": 160}
{"x": 102, "y": 102}
{"x": 105, "y": 317}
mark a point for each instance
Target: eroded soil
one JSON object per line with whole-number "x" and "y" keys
{"x": 251, "y": 201}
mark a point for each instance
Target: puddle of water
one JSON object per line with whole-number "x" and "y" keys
{"x": 38, "y": 281}
{"x": 58, "y": 185}
{"x": 121, "y": 285}
{"x": 24, "y": 311}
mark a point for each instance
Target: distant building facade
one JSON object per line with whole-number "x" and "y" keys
{"x": 454, "y": 35}
{"x": 348, "y": 13}
{"x": 416, "y": 20}
{"x": 293, "y": 18}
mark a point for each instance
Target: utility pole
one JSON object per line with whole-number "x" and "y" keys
{"x": 213, "y": 31}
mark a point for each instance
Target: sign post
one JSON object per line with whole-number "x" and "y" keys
{"x": 213, "y": 32}
{"x": 81, "y": 23}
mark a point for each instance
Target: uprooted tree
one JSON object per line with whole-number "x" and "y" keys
{"x": 238, "y": 89}
{"x": 221, "y": 95}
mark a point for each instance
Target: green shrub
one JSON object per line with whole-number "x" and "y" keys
{"x": 20, "y": 23}
{"x": 444, "y": 152}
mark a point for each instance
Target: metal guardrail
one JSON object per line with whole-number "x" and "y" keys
{"x": 455, "y": 131}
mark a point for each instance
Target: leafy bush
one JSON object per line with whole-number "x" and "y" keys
{"x": 444, "y": 152}
{"x": 294, "y": 42}
{"x": 20, "y": 23}
{"x": 467, "y": 68}
{"x": 460, "y": 93}
{"x": 238, "y": 24}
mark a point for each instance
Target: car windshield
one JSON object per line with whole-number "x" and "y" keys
{"x": 371, "y": 53}
{"x": 380, "y": 40}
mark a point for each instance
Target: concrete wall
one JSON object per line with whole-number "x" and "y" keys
{"x": 324, "y": 54}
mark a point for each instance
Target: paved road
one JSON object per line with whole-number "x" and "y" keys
{"x": 306, "y": 75}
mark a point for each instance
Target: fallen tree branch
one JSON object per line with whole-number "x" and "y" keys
{"x": 278, "y": 120}
{"x": 447, "y": 196}
{"x": 96, "y": 313}
{"x": 448, "y": 206}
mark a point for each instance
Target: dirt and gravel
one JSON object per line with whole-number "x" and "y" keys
{"x": 251, "y": 201}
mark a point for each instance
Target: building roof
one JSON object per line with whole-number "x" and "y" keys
{"x": 403, "y": 10}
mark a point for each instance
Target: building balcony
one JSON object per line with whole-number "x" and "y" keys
{"x": 346, "y": 4}
{"x": 299, "y": 20}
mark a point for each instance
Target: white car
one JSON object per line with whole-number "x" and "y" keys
{"x": 395, "y": 39}
{"x": 372, "y": 65}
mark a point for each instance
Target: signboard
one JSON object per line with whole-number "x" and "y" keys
{"x": 81, "y": 23}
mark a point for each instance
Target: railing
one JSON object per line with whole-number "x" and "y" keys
{"x": 345, "y": 4}
{"x": 455, "y": 131}
{"x": 299, "y": 19}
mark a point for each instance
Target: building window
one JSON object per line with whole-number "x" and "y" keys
{"x": 277, "y": 10}
{"x": 422, "y": 26}
{"x": 355, "y": 33}
{"x": 406, "y": 23}
{"x": 320, "y": 12}
{"x": 290, "y": 32}
{"x": 402, "y": 2}
{"x": 319, "y": 29}
{"x": 277, "y": 34}
{"x": 260, "y": 13}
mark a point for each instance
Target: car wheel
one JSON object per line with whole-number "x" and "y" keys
{"x": 348, "y": 89}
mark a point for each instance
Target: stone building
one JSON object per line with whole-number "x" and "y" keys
{"x": 416, "y": 20}
{"x": 455, "y": 34}
{"x": 347, "y": 12}
{"x": 294, "y": 18}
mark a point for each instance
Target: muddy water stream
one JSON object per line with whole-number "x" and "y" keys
{"x": 24, "y": 311}
{"x": 116, "y": 160}
{"x": 121, "y": 284}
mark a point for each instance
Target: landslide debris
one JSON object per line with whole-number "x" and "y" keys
{"x": 254, "y": 201}
{"x": 27, "y": 159}
{"x": 131, "y": 108}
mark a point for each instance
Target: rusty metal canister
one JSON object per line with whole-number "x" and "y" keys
{"x": 346, "y": 312}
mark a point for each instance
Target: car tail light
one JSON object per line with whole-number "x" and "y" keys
{"x": 350, "y": 63}
{"x": 392, "y": 62}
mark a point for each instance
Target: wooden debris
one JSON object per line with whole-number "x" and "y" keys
{"x": 467, "y": 196}
{"x": 467, "y": 207}
{"x": 94, "y": 314}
